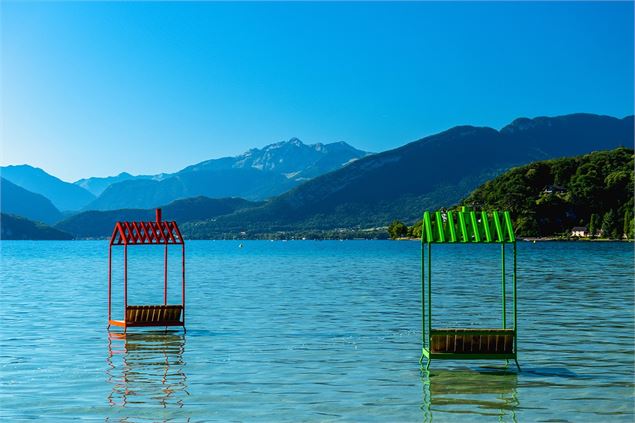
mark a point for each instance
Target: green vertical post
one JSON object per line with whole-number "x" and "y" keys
{"x": 429, "y": 293}
{"x": 488, "y": 234}
{"x": 515, "y": 306}
{"x": 475, "y": 228}
{"x": 423, "y": 303}
{"x": 463, "y": 227}
{"x": 497, "y": 225}
{"x": 427, "y": 227}
{"x": 451, "y": 226}
{"x": 439, "y": 223}
{"x": 503, "y": 283}
{"x": 510, "y": 227}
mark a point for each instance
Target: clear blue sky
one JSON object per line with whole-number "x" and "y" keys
{"x": 93, "y": 89}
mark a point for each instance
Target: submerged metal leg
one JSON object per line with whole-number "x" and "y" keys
{"x": 517, "y": 365}
{"x": 428, "y": 364}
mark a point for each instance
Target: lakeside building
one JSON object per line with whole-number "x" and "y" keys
{"x": 580, "y": 231}
{"x": 554, "y": 189}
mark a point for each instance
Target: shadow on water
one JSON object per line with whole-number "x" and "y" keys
{"x": 147, "y": 369}
{"x": 491, "y": 392}
{"x": 551, "y": 372}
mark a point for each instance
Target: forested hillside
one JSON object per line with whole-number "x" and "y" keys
{"x": 19, "y": 228}
{"x": 549, "y": 198}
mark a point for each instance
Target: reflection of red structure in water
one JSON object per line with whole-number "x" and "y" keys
{"x": 147, "y": 233}
{"x": 147, "y": 369}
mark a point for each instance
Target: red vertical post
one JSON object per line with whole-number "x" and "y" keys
{"x": 183, "y": 279}
{"x": 165, "y": 276}
{"x": 109, "y": 283}
{"x": 125, "y": 280}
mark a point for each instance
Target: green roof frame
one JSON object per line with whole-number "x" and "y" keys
{"x": 462, "y": 227}
{"x": 467, "y": 227}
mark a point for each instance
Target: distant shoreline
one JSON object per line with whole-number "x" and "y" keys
{"x": 542, "y": 239}
{"x": 530, "y": 240}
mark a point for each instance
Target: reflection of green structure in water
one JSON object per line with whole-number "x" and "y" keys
{"x": 450, "y": 394}
{"x": 147, "y": 369}
{"x": 461, "y": 343}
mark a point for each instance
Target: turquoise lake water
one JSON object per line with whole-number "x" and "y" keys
{"x": 314, "y": 331}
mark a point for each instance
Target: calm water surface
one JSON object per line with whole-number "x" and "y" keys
{"x": 314, "y": 331}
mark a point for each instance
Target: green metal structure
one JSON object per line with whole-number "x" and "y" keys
{"x": 462, "y": 227}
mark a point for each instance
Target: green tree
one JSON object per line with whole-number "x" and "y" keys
{"x": 397, "y": 229}
{"x": 628, "y": 223}
{"x": 416, "y": 229}
{"x": 526, "y": 225}
{"x": 594, "y": 224}
{"x": 617, "y": 180}
{"x": 609, "y": 224}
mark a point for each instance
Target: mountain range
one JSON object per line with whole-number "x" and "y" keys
{"x": 255, "y": 175}
{"x": 433, "y": 172}
{"x": 65, "y": 196}
{"x": 97, "y": 185}
{"x": 360, "y": 191}
{"x": 18, "y": 201}
{"x": 98, "y": 224}
{"x": 19, "y": 228}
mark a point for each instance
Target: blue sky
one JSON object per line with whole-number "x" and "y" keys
{"x": 93, "y": 89}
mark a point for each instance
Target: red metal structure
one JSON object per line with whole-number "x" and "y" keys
{"x": 158, "y": 232}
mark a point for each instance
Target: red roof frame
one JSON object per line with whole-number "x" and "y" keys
{"x": 146, "y": 233}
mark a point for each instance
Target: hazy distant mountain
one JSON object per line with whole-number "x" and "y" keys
{"x": 64, "y": 195}
{"x": 17, "y": 200}
{"x": 145, "y": 193}
{"x": 255, "y": 175}
{"x": 293, "y": 159}
{"x": 97, "y": 185}
{"x": 99, "y": 224}
{"x": 20, "y": 228}
{"x": 436, "y": 171}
